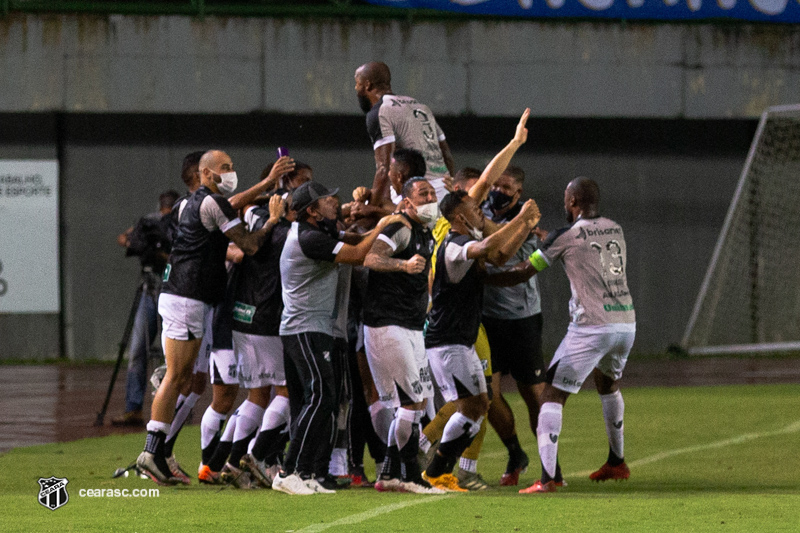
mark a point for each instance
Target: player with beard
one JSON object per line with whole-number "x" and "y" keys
{"x": 399, "y": 122}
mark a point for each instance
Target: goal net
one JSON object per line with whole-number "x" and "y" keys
{"x": 750, "y": 298}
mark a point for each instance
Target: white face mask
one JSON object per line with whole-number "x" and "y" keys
{"x": 427, "y": 213}
{"x": 476, "y": 234}
{"x": 229, "y": 182}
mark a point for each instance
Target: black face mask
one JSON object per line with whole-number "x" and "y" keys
{"x": 329, "y": 226}
{"x": 499, "y": 201}
{"x": 364, "y": 103}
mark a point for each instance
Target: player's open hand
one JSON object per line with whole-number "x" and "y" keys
{"x": 415, "y": 265}
{"x": 521, "y": 135}
{"x": 282, "y": 166}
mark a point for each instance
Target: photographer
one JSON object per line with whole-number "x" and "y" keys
{"x": 149, "y": 240}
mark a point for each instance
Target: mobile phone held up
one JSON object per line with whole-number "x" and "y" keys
{"x": 282, "y": 152}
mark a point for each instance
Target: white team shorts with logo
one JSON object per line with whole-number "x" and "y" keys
{"x": 397, "y": 358}
{"x": 182, "y": 318}
{"x": 453, "y": 362}
{"x": 224, "y": 367}
{"x": 201, "y": 364}
{"x": 260, "y": 360}
{"x": 585, "y": 348}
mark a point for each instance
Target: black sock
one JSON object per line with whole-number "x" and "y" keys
{"x": 391, "y": 464}
{"x": 239, "y": 448}
{"x": 220, "y": 456}
{"x": 613, "y": 459}
{"x": 408, "y": 455}
{"x": 512, "y": 445}
{"x": 155, "y": 445}
{"x": 265, "y": 441}
{"x": 208, "y": 452}
{"x": 276, "y": 453}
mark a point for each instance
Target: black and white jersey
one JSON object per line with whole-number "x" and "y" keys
{"x": 397, "y": 298}
{"x": 457, "y": 295}
{"x": 409, "y": 124}
{"x": 309, "y": 277}
{"x": 257, "y": 299}
{"x": 196, "y": 266}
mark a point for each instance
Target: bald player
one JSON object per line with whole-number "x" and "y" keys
{"x": 399, "y": 122}
{"x": 194, "y": 279}
{"x": 601, "y": 330}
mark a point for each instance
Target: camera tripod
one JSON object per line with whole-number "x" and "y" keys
{"x": 147, "y": 286}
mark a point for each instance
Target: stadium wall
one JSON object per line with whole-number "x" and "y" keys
{"x": 660, "y": 114}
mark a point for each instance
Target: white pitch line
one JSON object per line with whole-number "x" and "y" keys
{"x": 794, "y": 427}
{"x": 366, "y": 515}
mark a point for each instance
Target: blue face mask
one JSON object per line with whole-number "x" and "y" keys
{"x": 499, "y": 201}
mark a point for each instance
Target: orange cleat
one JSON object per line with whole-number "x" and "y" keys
{"x": 538, "y": 487}
{"x": 606, "y": 472}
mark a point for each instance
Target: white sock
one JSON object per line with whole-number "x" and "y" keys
{"x": 185, "y": 406}
{"x": 550, "y": 416}
{"x": 468, "y": 465}
{"x": 613, "y": 413}
{"x": 338, "y": 462}
{"x": 460, "y": 425}
{"x": 209, "y": 426}
{"x": 250, "y": 415}
{"x": 230, "y": 428}
{"x": 156, "y": 426}
{"x": 382, "y": 418}
{"x": 404, "y": 425}
{"x": 277, "y": 413}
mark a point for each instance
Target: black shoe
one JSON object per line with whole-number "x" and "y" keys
{"x": 330, "y": 482}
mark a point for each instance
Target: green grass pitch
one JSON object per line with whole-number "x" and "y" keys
{"x": 702, "y": 459}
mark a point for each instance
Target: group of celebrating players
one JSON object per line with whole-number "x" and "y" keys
{"x": 347, "y": 323}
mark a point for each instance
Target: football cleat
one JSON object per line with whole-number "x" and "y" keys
{"x": 235, "y": 476}
{"x": 389, "y": 485}
{"x": 420, "y": 486}
{"x": 445, "y": 482}
{"x": 258, "y": 472}
{"x": 515, "y": 467}
{"x": 539, "y": 487}
{"x": 471, "y": 480}
{"x": 315, "y": 485}
{"x": 207, "y": 476}
{"x": 291, "y": 484}
{"x": 178, "y": 472}
{"x": 147, "y": 464}
{"x": 606, "y": 472}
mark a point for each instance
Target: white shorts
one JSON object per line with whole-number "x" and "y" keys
{"x": 399, "y": 365}
{"x": 182, "y": 318}
{"x": 458, "y": 371}
{"x": 201, "y": 364}
{"x": 260, "y": 360}
{"x": 585, "y": 348}
{"x": 223, "y": 367}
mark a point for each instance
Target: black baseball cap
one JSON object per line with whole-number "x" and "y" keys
{"x": 308, "y": 193}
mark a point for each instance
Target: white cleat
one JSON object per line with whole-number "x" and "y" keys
{"x": 291, "y": 484}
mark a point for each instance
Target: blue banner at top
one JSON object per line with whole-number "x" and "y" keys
{"x": 785, "y": 11}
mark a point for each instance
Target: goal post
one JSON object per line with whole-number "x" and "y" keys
{"x": 749, "y": 301}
